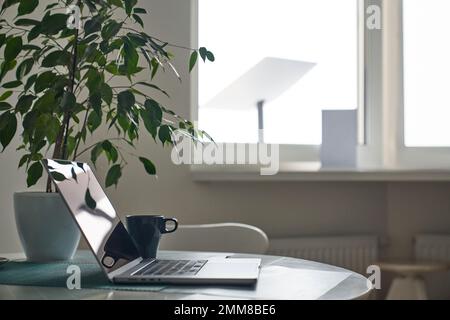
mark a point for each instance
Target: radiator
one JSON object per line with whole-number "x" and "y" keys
{"x": 432, "y": 248}
{"x": 354, "y": 252}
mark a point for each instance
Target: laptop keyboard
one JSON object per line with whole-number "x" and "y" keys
{"x": 171, "y": 268}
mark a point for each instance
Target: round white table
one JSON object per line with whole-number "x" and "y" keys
{"x": 280, "y": 278}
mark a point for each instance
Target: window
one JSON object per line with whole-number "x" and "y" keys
{"x": 243, "y": 33}
{"x": 395, "y": 74}
{"x": 426, "y": 73}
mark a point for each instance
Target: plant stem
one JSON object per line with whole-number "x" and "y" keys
{"x": 72, "y": 86}
{"x": 62, "y": 138}
{"x": 80, "y": 133}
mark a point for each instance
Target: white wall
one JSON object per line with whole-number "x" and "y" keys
{"x": 396, "y": 210}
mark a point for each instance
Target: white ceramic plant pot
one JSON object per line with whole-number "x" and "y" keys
{"x": 46, "y": 229}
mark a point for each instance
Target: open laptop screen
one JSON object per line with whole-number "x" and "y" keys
{"x": 93, "y": 212}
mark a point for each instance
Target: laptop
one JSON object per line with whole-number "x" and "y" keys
{"x": 113, "y": 247}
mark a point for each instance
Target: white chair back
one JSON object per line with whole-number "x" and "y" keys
{"x": 221, "y": 237}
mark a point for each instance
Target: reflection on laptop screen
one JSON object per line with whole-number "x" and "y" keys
{"x": 96, "y": 217}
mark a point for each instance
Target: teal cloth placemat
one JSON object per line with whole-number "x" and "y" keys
{"x": 55, "y": 274}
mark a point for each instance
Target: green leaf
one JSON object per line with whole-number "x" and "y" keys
{"x": 112, "y": 68}
{"x": 24, "y": 68}
{"x": 138, "y": 40}
{"x": 111, "y": 29}
{"x": 203, "y": 51}
{"x": 140, "y": 10}
{"x": 29, "y": 47}
{"x": 44, "y": 80}
{"x": 138, "y": 20}
{"x": 124, "y": 122}
{"x": 58, "y": 176}
{"x": 154, "y": 111}
{"x": 24, "y": 103}
{"x": 8, "y": 127}
{"x": 34, "y": 32}
{"x": 6, "y": 95}
{"x": 150, "y": 85}
{"x": 27, "y": 6}
{"x": 26, "y": 22}
{"x": 94, "y": 80}
{"x": 148, "y": 165}
{"x": 117, "y": 3}
{"x": 93, "y": 25}
{"x": 113, "y": 176}
{"x": 133, "y": 132}
{"x": 35, "y": 147}
{"x": 45, "y": 103}
{"x": 164, "y": 134}
{"x": 52, "y": 131}
{"x": 41, "y": 126}
{"x": 155, "y": 67}
{"x": 107, "y": 93}
{"x": 129, "y": 4}
{"x": 56, "y": 58}
{"x": 110, "y": 150}
{"x": 131, "y": 58}
{"x": 23, "y": 160}
{"x": 34, "y": 173}
{"x": 68, "y": 101}
{"x": 125, "y": 100}
{"x": 53, "y": 23}
{"x": 5, "y": 67}
{"x": 12, "y": 84}
{"x": 94, "y": 121}
{"x": 51, "y": 6}
{"x": 30, "y": 81}
{"x": 210, "y": 56}
{"x": 148, "y": 124}
{"x": 96, "y": 152}
{"x": 2, "y": 39}
{"x": 96, "y": 102}
{"x": 29, "y": 121}
{"x": 88, "y": 39}
{"x": 90, "y": 202}
{"x": 13, "y": 48}
{"x": 193, "y": 60}
{"x": 5, "y": 106}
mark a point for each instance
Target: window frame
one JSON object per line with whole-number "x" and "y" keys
{"x": 382, "y": 153}
{"x": 288, "y": 153}
{"x": 402, "y": 156}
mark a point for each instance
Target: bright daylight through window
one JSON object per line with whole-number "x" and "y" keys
{"x": 317, "y": 37}
{"x": 426, "y": 69}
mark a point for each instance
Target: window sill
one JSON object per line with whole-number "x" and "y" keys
{"x": 312, "y": 171}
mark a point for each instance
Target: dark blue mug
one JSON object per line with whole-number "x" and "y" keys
{"x": 146, "y": 232}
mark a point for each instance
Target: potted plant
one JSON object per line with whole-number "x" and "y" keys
{"x": 59, "y": 77}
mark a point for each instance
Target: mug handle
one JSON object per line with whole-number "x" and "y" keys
{"x": 174, "y": 228}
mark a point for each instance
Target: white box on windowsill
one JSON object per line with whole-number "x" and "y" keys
{"x": 339, "y": 139}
